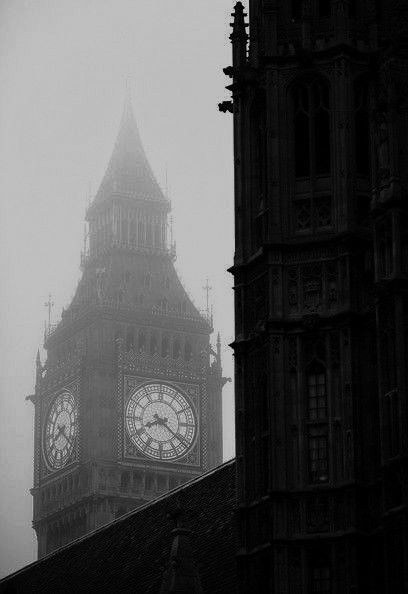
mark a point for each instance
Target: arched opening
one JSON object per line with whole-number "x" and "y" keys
{"x": 142, "y": 341}
{"x": 130, "y": 339}
{"x": 259, "y": 163}
{"x": 361, "y": 127}
{"x": 176, "y": 349}
{"x": 316, "y": 392}
{"x": 154, "y": 345}
{"x": 188, "y": 351}
{"x": 165, "y": 347}
{"x": 311, "y": 115}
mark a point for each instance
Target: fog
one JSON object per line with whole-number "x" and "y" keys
{"x": 63, "y": 69}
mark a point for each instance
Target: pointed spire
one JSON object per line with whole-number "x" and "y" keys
{"x": 181, "y": 575}
{"x": 129, "y": 172}
{"x": 239, "y": 36}
{"x": 219, "y": 349}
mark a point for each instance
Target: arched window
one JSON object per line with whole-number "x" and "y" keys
{"x": 149, "y": 234}
{"x": 259, "y": 161}
{"x": 165, "y": 347}
{"x": 147, "y": 280}
{"x": 311, "y": 104}
{"x": 361, "y": 127}
{"x": 142, "y": 341}
{"x": 188, "y": 351}
{"x": 258, "y": 146}
{"x": 130, "y": 340}
{"x": 154, "y": 346}
{"x": 316, "y": 393}
{"x": 176, "y": 349}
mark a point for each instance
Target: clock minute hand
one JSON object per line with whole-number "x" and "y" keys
{"x": 176, "y": 435}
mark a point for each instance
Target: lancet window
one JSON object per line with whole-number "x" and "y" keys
{"x": 311, "y": 104}
{"x": 361, "y": 127}
{"x": 316, "y": 394}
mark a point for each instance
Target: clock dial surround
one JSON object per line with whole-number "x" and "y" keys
{"x": 60, "y": 430}
{"x": 160, "y": 421}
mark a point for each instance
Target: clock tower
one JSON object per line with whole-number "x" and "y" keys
{"x": 128, "y": 402}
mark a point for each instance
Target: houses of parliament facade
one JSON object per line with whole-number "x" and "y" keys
{"x": 316, "y": 499}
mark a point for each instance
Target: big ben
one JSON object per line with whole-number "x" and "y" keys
{"x": 128, "y": 401}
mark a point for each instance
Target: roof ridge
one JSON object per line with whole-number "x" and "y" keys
{"x": 125, "y": 516}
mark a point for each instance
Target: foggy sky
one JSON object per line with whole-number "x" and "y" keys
{"x": 63, "y": 67}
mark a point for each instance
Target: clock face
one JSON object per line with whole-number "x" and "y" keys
{"x": 160, "y": 421}
{"x": 60, "y": 430}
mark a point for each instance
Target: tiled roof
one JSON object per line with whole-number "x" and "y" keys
{"x": 131, "y": 554}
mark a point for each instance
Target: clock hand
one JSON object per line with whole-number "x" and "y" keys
{"x": 176, "y": 435}
{"x": 65, "y": 435}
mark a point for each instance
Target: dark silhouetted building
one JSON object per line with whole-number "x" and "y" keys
{"x": 128, "y": 403}
{"x": 320, "y": 108}
{"x": 320, "y": 103}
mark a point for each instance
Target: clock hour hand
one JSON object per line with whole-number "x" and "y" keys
{"x": 157, "y": 421}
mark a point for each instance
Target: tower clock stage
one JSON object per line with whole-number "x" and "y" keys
{"x": 160, "y": 421}
{"x": 128, "y": 402}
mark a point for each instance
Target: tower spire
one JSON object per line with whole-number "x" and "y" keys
{"x": 129, "y": 172}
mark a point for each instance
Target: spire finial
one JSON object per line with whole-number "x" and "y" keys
{"x": 207, "y": 290}
{"x": 127, "y": 104}
{"x": 239, "y": 35}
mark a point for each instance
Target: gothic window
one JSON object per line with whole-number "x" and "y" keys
{"x": 154, "y": 346}
{"x": 259, "y": 161}
{"x": 311, "y": 128}
{"x": 384, "y": 249}
{"x": 176, "y": 349}
{"x": 124, "y": 229}
{"x": 258, "y": 146}
{"x": 392, "y": 423}
{"x": 137, "y": 481}
{"x": 149, "y": 238}
{"x": 147, "y": 280}
{"x": 188, "y": 351}
{"x": 316, "y": 394}
{"x": 157, "y": 232}
{"x": 142, "y": 341}
{"x": 140, "y": 231}
{"x": 133, "y": 232}
{"x": 165, "y": 347}
{"x": 318, "y": 458}
{"x": 130, "y": 340}
{"x": 124, "y": 481}
{"x": 361, "y": 127}
{"x": 161, "y": 483}
{"x": 320, "y": 579}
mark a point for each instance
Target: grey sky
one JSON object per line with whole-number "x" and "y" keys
{"x": 63, "y": 67}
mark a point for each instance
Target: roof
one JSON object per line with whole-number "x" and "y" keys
{"x": 129, "y": 171}
{"x": 131, "y": 554}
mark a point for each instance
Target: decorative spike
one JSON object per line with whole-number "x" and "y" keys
{"x": 239, "y": 37}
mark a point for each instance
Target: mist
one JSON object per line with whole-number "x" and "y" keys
{"x": 63, "y": 70}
